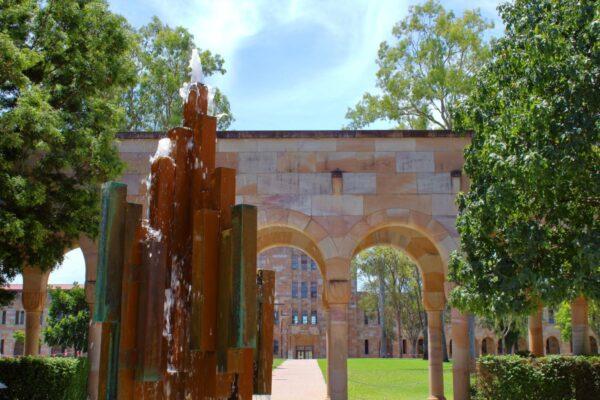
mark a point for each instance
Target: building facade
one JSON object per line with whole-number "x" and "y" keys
{"x": 12, "y": 323}
{"x": 300, "y": 318}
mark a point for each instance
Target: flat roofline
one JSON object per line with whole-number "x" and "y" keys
{"x": 314, "y": 134}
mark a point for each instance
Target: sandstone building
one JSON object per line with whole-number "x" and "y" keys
{"x": 300, "y": 318}
{"x": 12, "y": 319}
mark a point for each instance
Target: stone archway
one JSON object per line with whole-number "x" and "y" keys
{"x": 421, "y": 238}
{"x": 552, "y": 345}
{"x": 487, "y": 346}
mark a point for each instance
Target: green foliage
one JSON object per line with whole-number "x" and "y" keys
{"x": 19, "y": 336}
{"x": 6, "y": 297}
{"x": 68, "y": 319}
{"x": 546, "y": 378}
{"x": 563, "y": 320}
{"x": 402, "y": 303}
{"x": 428, "y": 71}
{"x": 506, "y": 328}
{"x": 162, "y": 57}
{"x": 64, "y": 66}
{"x": 529, "y": 224}
{"x": 44, "y": 378}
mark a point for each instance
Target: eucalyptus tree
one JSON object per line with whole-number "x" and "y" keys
{"x": 427, "y": 71}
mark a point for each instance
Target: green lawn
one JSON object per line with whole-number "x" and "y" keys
{"x": 277, "y": 362}
{"x": 390, "y": 378}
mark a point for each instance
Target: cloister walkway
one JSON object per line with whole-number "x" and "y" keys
{"x": 298, "y": 380}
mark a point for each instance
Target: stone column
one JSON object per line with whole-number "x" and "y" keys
{"x": 579, "y": 326}
{"x": 90, "y": 253}
{"x": 436, "y": 355}
{"x": 460, "y": 355}
{"x": 536, "y": 337}
{"x": 337, "y": 297}
{"x": 35, "y": 290}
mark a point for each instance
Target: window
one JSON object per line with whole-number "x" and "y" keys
{"x": 304, "y": 318}
{"x": 276, "y": 347}
{"x": 19, "y": 317}
{"x": 294, "y": 317}
{"x": 276, "y": 317}
{"x": 313, "y": 290}
{"x": 3, "y": 317}
{"x": 304, "y": 262}
{"x": 366, "y": 346}
{"x": 551, "y": 316}
{"x": 294, "y": 261}
{"x": 313, "y": 265}
{"x": 313, "y": 317}
{"x": 262, "y": 261}
{"x": 366, "y": 318}
{"x": 304, "y": 290}
{"x": 294, "y": 289}
{"x": 2, "y": 346}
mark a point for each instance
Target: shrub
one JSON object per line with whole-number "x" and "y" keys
{"x": 547, "y": 378}
{"x": 43, "y": 378}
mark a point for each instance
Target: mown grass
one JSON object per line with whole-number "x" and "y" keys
{"x": 390, "y": 378}
{"x": 277, "y": 362}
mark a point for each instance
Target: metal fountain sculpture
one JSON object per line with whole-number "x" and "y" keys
{"x": 184, "y": 313}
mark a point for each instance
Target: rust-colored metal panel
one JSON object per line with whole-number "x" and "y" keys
{"x": 224, "y": 299}
{"x": 263, "y": 357}
{"x": 203, "y": 323}
{"x": 129, "y": 301}
{"x": 223, "y": 194}
{"x": 151, "y": 316}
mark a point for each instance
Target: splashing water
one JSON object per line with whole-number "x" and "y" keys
{"x": 196, "y": 66}
{"x": 196, "y": 76}
{"x": 162, "y": 150}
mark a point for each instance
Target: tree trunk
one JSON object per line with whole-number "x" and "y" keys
{"x": 383, "y": 347}
{"x": 444, "y": 347}
{"x": 425, "y": 338}
{"x": 472, "y": 339}
{"x": 399, "y": 327}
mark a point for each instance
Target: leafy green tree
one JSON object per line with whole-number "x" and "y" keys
{"x": 529, "y": 223}
{"x": 392, "y": 286}
{"x": 68, "y": 319}
{"x": 507, "y": 330}
{"x": 162, "y": 56}
{"x": 563, "y": 320}
{"x": 19, "y": 337}
{"x": 63, "y": 67}
{"x": 429, "y": 69}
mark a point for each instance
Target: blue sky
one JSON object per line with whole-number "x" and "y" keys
{"x": 291, "y": 64}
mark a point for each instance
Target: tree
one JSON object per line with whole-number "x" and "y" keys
{"x": 529, "y": 223}
{"x": 63, "y": 65}
{"x": 425, "y": 74}
{"x": 19, "y": 337}
{"x": 68, "y": 319}
{"x": 507, "y": 329}
{"x": 392, "y": 287}
{"x": 563, "y": 319}
{"x": 162, "y": 56}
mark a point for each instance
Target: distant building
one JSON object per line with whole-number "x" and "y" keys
{"x": 301, "y": 320}
{"x": 12, "y": 319}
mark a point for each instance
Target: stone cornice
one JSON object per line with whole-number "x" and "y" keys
{"x": 313, "y": 134}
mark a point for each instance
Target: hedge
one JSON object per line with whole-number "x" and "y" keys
{"x": 43, "y": 378}
{"x": 547, "y": 378}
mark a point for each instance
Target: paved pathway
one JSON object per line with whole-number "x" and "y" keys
{"x": 298, "y": 380}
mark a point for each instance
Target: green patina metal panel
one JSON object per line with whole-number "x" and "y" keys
{"x": 110, "y": 253}
{"x": 243, "y": 299}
